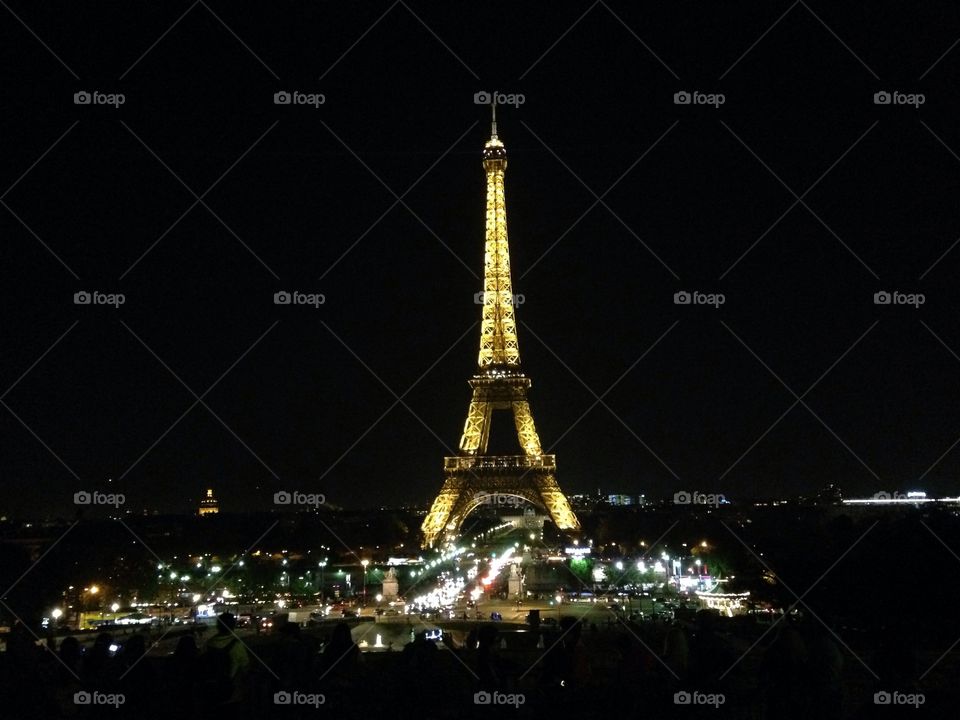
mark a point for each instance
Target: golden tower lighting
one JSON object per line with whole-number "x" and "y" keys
{"x": 474, "y": 477}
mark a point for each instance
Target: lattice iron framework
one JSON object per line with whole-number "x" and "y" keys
{"x": 474, "y": 477}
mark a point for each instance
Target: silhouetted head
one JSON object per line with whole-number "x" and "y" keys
{"x": 70, "y": 650}
{"x": 341, "y": 637}
{"x": 707, "y": 620}
{"x": 486, "y": 635}
{"x": 135, "y": 647}
{"x": 103, "y": 642}
{"x": 290, "y": 629}
{"x": 186, "y": 648}
{"x": 226, "y": 623}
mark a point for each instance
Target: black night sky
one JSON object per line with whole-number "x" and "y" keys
{"x": 302, "y": 198}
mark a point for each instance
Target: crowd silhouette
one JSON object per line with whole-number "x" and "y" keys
{"x": 790, "y": 669}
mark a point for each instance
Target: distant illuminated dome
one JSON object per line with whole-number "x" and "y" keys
{"x": 209, "y": 505}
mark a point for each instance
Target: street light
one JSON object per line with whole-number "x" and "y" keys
{"x": 322, "y": 564}
{"x": 364, "y": 563}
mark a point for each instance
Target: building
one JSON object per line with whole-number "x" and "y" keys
{"x": 209, "y": 505}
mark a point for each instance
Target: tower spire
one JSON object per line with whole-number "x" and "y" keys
{"x": 493, "y": 124}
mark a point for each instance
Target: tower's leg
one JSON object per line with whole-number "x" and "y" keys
{"x": 526, "y": 430}
{"x": 556, "y": 503}
{"x": 435, "y": 524}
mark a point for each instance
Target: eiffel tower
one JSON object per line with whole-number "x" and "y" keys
{"x": 474, "y": 477}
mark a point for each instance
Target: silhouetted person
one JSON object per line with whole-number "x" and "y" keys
{"x": 676, "y": 654}
{"x": 784, "y": 675}
{"x": 293, "y": 658}
{"x": 137, "y": 679}
{"x": 565, "y": 668}
{"x": 710, "y": 658}
{"x": 420, "y": 656}
{"x": 180, "y": 678}
{"x": 224, "y": 665}
{"x": 340, "y": 656}
{"x": 488, "y": 671}
{"x": 99, "y": 668}
{"x": 825, "y": 673}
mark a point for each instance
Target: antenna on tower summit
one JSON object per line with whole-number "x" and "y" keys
{"x": 493, "y": 109}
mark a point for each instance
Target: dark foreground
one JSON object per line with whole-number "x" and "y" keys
{"x": 711, "y": 668}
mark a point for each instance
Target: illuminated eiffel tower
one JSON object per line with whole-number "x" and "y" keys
{"x": 474, "y": 477}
